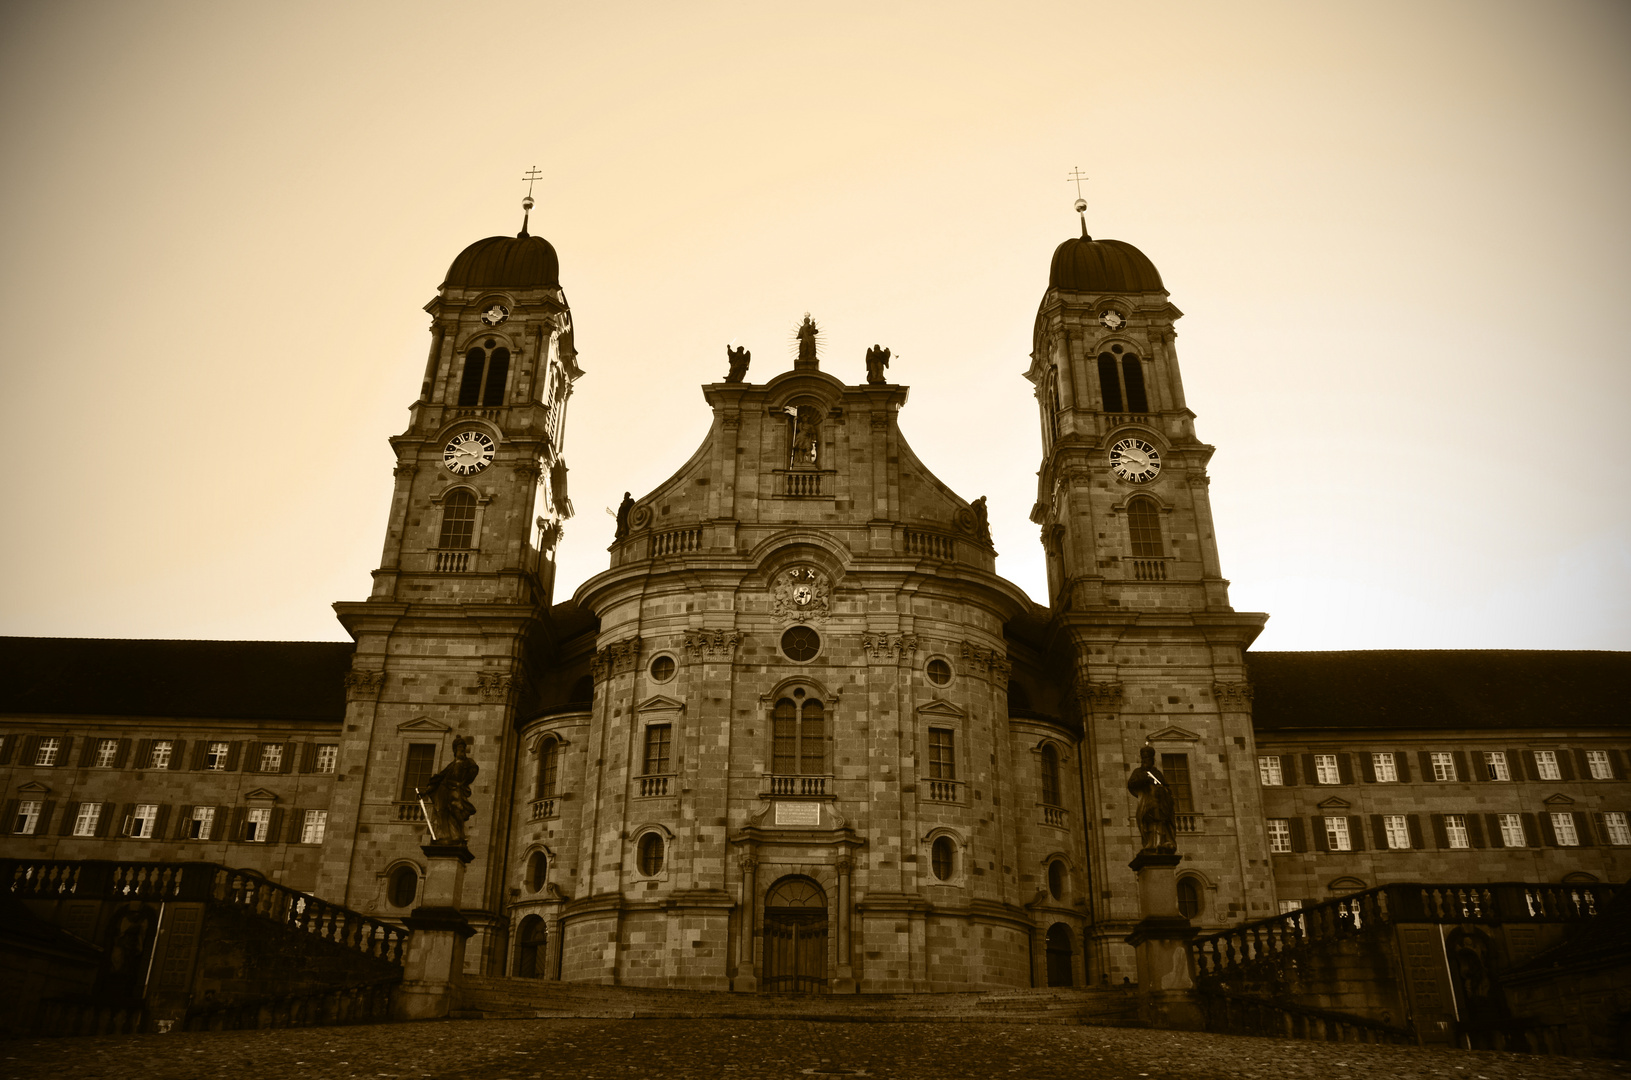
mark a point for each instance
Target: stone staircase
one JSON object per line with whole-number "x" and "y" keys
{"x": 483, "y": 996}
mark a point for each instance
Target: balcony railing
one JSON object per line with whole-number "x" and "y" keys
{"x": 932, "y": 545}
{"x": 409, "y": 811}
{"x": 543, "y": 808}
{"x": 676, "y": 542}
{"x": 1187, "y": 822}
{"x": 453, "y": 561}
{"x": 1055, "y": 816}
{"x": 1149, "y": 569}
{"x": 799, "y": 785}
{"x": 803, "y": 485}
{"x": 945, "y": 790}
{"x": 654, "y": 785}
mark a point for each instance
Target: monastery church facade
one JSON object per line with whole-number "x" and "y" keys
{"x": 799, "y": 735}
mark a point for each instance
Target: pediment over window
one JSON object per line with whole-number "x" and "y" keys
{"x": 939, "y": 707}
{"x": 660, "y": 703}
{"x": 422, "y": 725}
{"x": 1174, "y": 734}
{"x": 1334, "y": 803}
{"x": 1346, "y": 885}
{"x": 33, "y": 787}
{"x": 1559, "y": 799}
{"x": 260, "y": 795}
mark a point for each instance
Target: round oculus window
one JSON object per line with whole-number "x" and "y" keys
{"x": 801, "y": 643}
{"x": 939, "y": 672}
{"x": 662, "y": 669}
{"x": 537, "y": 871}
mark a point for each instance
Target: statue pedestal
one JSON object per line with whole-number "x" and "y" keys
{"x": 435, "y": 961}
{"x": 1161, "y": 941}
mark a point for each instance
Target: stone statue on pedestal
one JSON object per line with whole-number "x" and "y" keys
{"x": 1157, "y": 810}
{"x": 445, "y": 797}
{"x": 738, "y": 360}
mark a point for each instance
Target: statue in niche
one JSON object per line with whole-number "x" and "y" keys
{"x": 982, "y": 522}
{"x": 738, "y": 360}
{"x": 806, "y": 436}
{"x": 876, "y": 360}
{"x": 623, "y": 511}
{"x": 1157, "y": 810}
{"x": 806, "y": 335}
{"x": 445, "y": 798}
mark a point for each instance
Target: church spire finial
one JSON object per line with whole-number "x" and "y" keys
{"x": 1081, "y": 203}
{"x": 527, "y": 204}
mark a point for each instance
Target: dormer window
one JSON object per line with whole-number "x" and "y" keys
{"x": 1121, "y": 380}
{"x": 486, "y": 371}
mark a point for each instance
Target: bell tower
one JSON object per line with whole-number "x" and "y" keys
{"x": 451, "y": 637}
{"x": 1141, "y": 628}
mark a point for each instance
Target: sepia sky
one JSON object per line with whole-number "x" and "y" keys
{"x": 1399, "y": 233}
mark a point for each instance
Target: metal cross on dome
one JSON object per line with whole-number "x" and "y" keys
{"x": 530, "y": 176}
{"x": 1078, "y": 175}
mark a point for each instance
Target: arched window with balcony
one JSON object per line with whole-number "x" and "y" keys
{"x": 1144, "y": 527}
{"x": 458, "y": 519}
{"x": 799, "y": 735}
{"x": 1050, "y": 776}
{"x": 549, "y": 763}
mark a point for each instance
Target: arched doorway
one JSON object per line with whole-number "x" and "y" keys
{"x": 1059, "y": 955}
{"x": 795, "y": 937}
{"x": 529, "y": 950}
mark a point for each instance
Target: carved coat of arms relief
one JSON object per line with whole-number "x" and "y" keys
{"x": 802, "y": 594}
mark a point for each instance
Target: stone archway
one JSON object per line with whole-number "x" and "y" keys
{"x": 531, "y": 941}
{"x": 795, "y": 937}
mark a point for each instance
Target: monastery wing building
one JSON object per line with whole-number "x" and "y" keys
{"x": 799, "y": 735}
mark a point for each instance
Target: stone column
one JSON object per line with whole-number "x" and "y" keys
{"x": 845, "y": 982}
{"x": 745, "y": 979}
{"x": 1166, "y": 986}
{"x": 434, "y": 965}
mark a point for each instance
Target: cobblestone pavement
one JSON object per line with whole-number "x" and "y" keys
{"x": 750, "y": 1050}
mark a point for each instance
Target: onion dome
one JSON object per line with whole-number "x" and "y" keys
{"x": 506, "y": 262}
{"x": 1087, "y": 265}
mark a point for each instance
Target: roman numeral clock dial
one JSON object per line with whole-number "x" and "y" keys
{"x": 1135, "y": 461}
{"x": 468, "y": 453}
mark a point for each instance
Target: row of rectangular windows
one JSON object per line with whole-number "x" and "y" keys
{"x": 1440, "y": 766}
{"x": 52, "y": 751}
{"x": 151, "y": 821}
{"x": 1450, "y": 832}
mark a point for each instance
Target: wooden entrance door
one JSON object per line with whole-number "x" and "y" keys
{"x": 795, "y": 937}
{"x": 1059, "y": 955}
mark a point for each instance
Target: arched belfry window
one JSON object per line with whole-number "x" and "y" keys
{"x": 458, "y": 519}
{"x": 1122, "y": 383}
{"x": 799, "y": 735}
{"x": 1144, "y": 526}
{"x": 486, "y": 370}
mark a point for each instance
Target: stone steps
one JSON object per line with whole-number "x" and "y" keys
{"x": 499, "y": 996}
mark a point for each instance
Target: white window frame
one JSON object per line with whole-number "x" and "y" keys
{"x": 203, "y": 823}
{"x": 257, "y": 823}
{"x": 1443, "y": 766}
{"x": 47, "y": 750}
{"x": 215, "y": 757}
{"x": 1326, "y": 770}
{"x": 107, "y": 752}
{"x": 1598, "y": 764}
{"x": 1618, "y": 829}
{"x": 1563, "y": 829}
{"x": 1397, "y": 830}
{"x": 1269, "y": 773}
{"x": 271, "y": 757}
{"x": 1546, "y": 765}
{"x": 1386, "y": 767}
{"x": 1337, "y": 837}
{"x": 1279, "y": 830}
{"x": 1288, "y": 906}
{"x": 27, "y": 821}
{"x": 313, "y": 828}
{"x": 88, "y": 818}
{"x": 158, "y": 755}
{"x": 1495, "y": 766}
{"x": 1512, "y": 830}
{"x": 1455, "y": 831}
{"x": 328, "y": 757}
{"x": 143, "y": 820}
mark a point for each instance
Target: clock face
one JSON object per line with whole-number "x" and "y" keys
{"x": 1135, "y": 460}
{"x": 495, "y": 315}
{"x": 1112, "y": 320}
{"x": 468, "y": 453}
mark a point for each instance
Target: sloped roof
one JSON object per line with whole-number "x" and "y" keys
{"x": 224, "y": 680}
{"x": 1439, "y": 688}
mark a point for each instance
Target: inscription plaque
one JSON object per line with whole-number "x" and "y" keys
{"x": 798, "y": 813}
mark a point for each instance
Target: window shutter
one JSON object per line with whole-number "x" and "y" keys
{"x": 221, "y": 830}
{"x": 1475, "y": 830}
{"x": 70, "y": 812}
{"x": 87, "y": 754}
{"x": 126, "y": 812}
{"x": 144, "y": 752}
{"x": 1322, "y": 841}
{"x": 67, "y": 750}
{"x": 1461, "y": 771}
{"x": 1367, "y": 768}
{"x": 274, "y": 828}
{"x": 289, "y": 750}
{"x": 1426, "y": 760}
{"x": 200, "y": 748}
{"x": 1356, "y": 833}
{"x": 178, "y": 754}
{"x": 236, "y": 833}
{"x": 1440, "y": 837}
{"x": 1309, "y": 772}
{"x": 45, "y": 818}
{"x": 102, "y": 821}
{"x": 163, "y": 821}
{"x": 1413, "y": 823}
{"x": 1378, "y": 832}
{"x": 1547, "y": 833}
{"x": 1565, "y": 764}
{"x": 235, "y": 753}
{"x": 121, "y": 756}
{"x": 1531, "y": 831}
{"x": 11, "y": 815}
{"x": 1582, "y": 826}
{"x": 1602, "y": 828}
{"x": 1515, "y": 766}
{"x": 308, "y": 757}
{"x": 1345, "y": 769}
{"x": 184, "y": 820}
{"x": 31, "y": 746}
{"x": 1582, "y": 766}
{"x": 1288, "y": 769}
{"x": 1401, "y": 761}
{"x": 7, "y": 744}
{"x": 1492, "y": 826}
{"x": 1616, "y": 765}
{"x": 1299, "y": 842}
